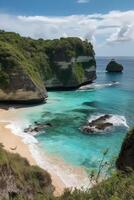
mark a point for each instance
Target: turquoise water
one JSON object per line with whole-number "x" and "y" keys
{"x": 68, "y": 111}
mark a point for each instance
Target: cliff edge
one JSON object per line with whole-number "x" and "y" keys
{"x": 28, "y": 66}
{"x": 125, "y": 160}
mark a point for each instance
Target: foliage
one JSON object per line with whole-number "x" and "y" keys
{"x": 35, "y": 181}
{"x": 118, "y": 187}
{"x": 38, "y": 57}
{"x": 78, "y": 72}
{"x": 19, "y": 180}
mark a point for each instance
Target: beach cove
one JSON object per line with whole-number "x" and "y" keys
{"x": 67, "y": 112}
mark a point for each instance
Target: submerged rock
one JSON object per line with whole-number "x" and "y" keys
{"x": 37, "y": 127}
{"x": 99, "y": 121}
{"x": 113, "y": 66}
{"x": 97, "y": 125}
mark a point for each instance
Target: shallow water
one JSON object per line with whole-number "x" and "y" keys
{"x": 68, "y": 111}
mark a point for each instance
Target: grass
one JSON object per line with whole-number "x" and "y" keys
{"x": 37, "y": 58}
{"x": 30, "y": 182}
{"x": 19, "y": 180}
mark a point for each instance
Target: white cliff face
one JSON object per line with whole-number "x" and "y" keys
{"x": 79, "y": 59}
{"x": 91, "y": 69}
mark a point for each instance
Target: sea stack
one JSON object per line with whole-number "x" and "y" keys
{"x": 113, "y": 66}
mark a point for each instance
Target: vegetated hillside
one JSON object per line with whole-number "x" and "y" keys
{"x": 19, "y": 180}
{"x": 120, "y": 186}
{"x": 19, "y": 79}
{"x": 30, "y": 65}
{"x": 125, "y": 160}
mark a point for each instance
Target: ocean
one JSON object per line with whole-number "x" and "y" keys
{"x": 68, "y": 111}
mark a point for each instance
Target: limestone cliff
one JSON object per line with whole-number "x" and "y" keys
{"x": 27, "y": 66}
{"x": 21, "y": 88}
{"x": 72, "y": 62}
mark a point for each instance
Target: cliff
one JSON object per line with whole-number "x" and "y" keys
{"x": 72, "y": 62}
{"x": 19, "y": 180}
{"x": 19, "y": 80}
{"x": 28, "y": 66}
{"x": 126, "y": 156}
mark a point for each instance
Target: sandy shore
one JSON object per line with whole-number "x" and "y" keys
{"x": 62, "y": 174}
{"x": 14, "y": 144}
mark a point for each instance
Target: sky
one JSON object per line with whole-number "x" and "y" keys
{"x": 108, "y": 24}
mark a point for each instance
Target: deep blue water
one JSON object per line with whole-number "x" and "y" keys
{"x": 68, "y": 111}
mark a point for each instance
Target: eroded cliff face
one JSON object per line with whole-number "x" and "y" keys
{"x": 126, "y": 156}
{"x": 72, "y": 74}
{"x": 29, "y": 66}
{"x": 21, "y": 88}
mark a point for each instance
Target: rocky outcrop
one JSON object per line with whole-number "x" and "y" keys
{"x": 21, "y": 88}
{"x": 29, "y": 66}
{"x": 97, "y": 125}
{"x": 125, "y": 160}
{"x": 113, "y": 66}
{"x": 37, "y": 128}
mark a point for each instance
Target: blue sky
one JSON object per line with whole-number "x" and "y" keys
{"x": 107, "y": 23}
{"x": 63, "y": 7}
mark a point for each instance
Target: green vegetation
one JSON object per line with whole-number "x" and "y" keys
{"x": 119, "y": 187}
{"x": 19, "y": 180}
{"x": 78, "y": 72}
{"x": 39, "y": 58}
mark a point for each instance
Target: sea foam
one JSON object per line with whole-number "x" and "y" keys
{"x": 98, "y": 86}
{"x": 116, "y": 120}
{"x": 66, "y": 173}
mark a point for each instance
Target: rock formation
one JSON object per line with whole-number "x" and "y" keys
{"x": 97, "y": 125}
{"x": 37, "y": 127}
{"x": 29, "y": 66}
{"x": 126, "y": 156}
{"x": 113, "y": 66}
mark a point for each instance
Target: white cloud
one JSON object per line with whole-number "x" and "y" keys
{"x": 122, "y": 34}
{"x": 102, "y": 29}
{"x": 83, "y": 1}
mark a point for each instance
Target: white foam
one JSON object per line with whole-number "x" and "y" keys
{"x": 12, "y": 109}
{"x": 98, "y": 86}
{"x": 66, "y": 175}
{"x": 116, "y": 120}
{"x": 17, "y": 130}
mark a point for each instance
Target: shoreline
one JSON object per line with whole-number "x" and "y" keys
{"x": 14, "y": 144}
{"x": 62, "y": 174}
